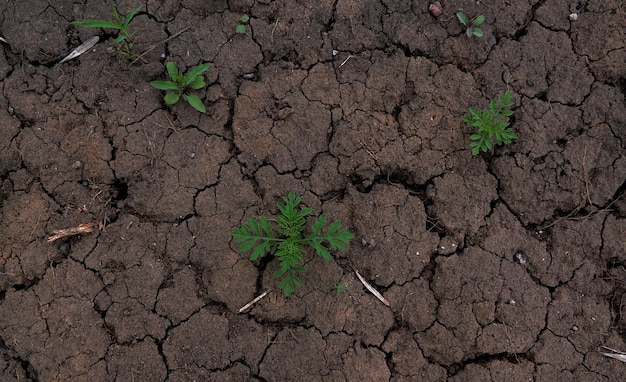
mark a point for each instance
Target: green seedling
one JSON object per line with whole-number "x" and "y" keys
{"x": 472, "y": 26}
{"x": 241, "y": 27}
{"x": 182, "y": 84}
{"x": 339, "y": 287}
{"x": 289, "y": 245}
{"x": 492, "y": 123}
{"x": 121, "y": 25}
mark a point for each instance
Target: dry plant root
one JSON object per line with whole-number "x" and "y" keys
{"x": 79, "y": 230}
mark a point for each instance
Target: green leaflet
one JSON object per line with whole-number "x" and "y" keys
{"x": 492, "y": 124}
{"x": 289, "y": 247}
{"x": 181, "y": 85}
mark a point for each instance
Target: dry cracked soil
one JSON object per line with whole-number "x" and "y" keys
{"x": 506, "y": 266}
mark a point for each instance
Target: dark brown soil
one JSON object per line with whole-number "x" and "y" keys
{"x": 507, "y": 266}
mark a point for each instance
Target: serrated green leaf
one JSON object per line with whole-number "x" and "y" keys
{"x": 195, "y": 102}
{"x": 321, "y": 250}
{"x": 476, "y": 137}
{"x": 164, "y": 85}
{"x": 171, "y": 98}
{"x": 318, "y": 224}
{"x": 488, "y": 144}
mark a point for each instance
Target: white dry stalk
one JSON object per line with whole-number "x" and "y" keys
{"x": 253, "y": 301}
{"x": 82, "y": 48}
{"x": 78, "y": 230}
{"x": 618, "y": 355}
{"x": 371, "y": 288}
{"x": 3, "y": 40}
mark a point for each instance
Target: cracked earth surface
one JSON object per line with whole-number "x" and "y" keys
{"x": 509, "y": 266}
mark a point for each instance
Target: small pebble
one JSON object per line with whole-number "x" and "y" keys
{"x": 65, "y": 248}
{"x": 435, "y": 9}
{"x": 519, "y": 258}
{"x": 573, "y": 17}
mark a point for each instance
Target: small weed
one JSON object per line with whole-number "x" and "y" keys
{"x": 289, "y": 245}
{"x": 181, "y": 85}
{"x": 121, "y": 25}
{"x": 492, "y": 123}
{"x": 473, "y": 25}
{"x": 339, "y": 287}
{"x": 241, "y": 27}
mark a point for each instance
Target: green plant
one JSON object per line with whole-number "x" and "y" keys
{"x": 492, "y": 124}
{"x": 182, "y": 84}
{"x": 289, "y": 245}
{"x": 339, "y": 287}
{"x": 473, "y": 25}
{"x": 119, "y": 24}
{"x": 241, "y": 27}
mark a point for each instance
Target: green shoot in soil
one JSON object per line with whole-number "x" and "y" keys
{"x": 339, "y": 287}
{"x": 123, "y": 35}
{"x": 181, "y": 85}
{"x": 289, "y": 245}
{"x": 492, "y": 123}
{"x": 241, "y": 27}
{"x": 473, "y": 25}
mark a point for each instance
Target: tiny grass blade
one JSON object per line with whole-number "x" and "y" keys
{"x": 119, "y": 39}
{"x": 130, "y": 16}
{"x": 97, "y": 24}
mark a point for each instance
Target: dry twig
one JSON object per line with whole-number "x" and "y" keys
{"x": 79, "y": 230}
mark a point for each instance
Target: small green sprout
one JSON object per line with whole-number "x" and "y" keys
{"x": 241, "y": 27}
{"x": 473, "y": 25}
{"x": 288, "y": 246}
{"x": 492, "y": 124}
{"x": 339, "y": 287}
{"x": 123, "y": 35}
{"x": 181, "y": 85}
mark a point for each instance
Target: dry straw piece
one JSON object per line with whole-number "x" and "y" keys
{"x": 253, "y": 301}
{"x": 79, "y": 230}
{"x": 371, "y": 288}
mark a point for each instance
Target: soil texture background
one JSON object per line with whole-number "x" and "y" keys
{"x": 506, "y": 266}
